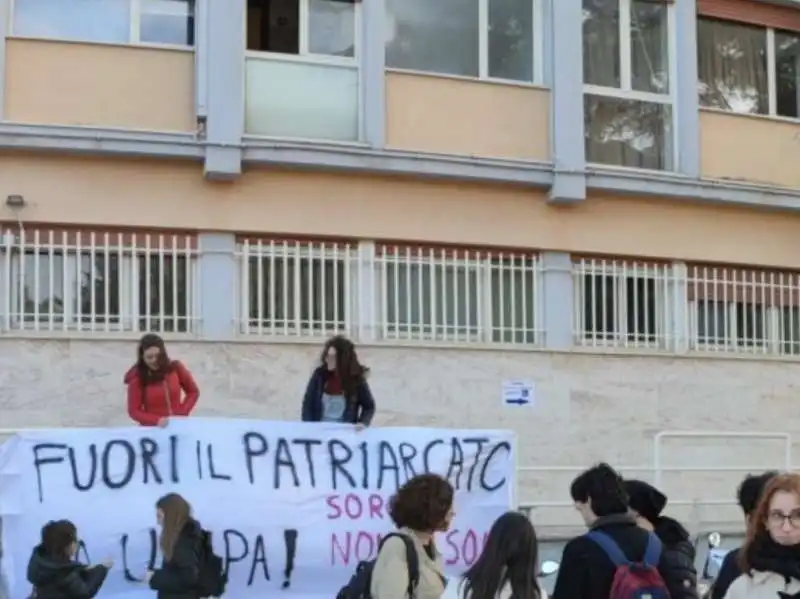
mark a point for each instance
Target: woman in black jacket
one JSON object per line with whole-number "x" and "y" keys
{"x": 678, "y": 554}
{"x": 54, "y": 571}
{"x": 338, "y": 389}
{"x": 181, "y": 543}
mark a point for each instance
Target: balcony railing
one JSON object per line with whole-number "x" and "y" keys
{"x": 73, "y": 281}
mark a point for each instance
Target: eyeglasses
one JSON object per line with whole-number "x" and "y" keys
{"x": 777, "y": 519}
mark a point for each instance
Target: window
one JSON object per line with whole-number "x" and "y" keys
{"x": 720, "y": 324}
{"x": 626, "y": 74}
{"x": 621, "y": 304}
{"x": 169, "y": 22}
{"x": 303, "y": 27}
{"x": 458, "y": 296}
{"x": 748, "y": 69}
{"x": 295, "y": 289}
{"x": 99, "y": 282}
{"x": 491, "y": 39}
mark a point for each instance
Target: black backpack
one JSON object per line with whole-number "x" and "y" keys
{"x": 213, "y": 577}
{"x": 359, "y": 585}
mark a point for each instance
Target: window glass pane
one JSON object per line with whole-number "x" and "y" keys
{"x": 332, "y": 27}
{"x": 732, "y": 66}
{"x": 513, "y": 302}
{"x": 511, "y": 39}
{"x": 712, "y": 322}
{"x": 790, "y": 330}
{"x": 435, "y": 37}
{"x": 750, "y": 325}
{"x": 787, "y": 79}
{"x": 97, "y": 297}
{"x": 167, "y": 22}
{"x": 628, "y": 132}
{"x": 640, "y": 296}
{"x": 84, "y": 20}
{"x": 599, "y": 306}
{"x": 601, "y": 50}
{"x": 164, "y": 298}
{"x": 649, "y": 47}
{"x": 40, "y": 299}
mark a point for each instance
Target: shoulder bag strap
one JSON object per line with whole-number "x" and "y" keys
{"x": 167, "y": 396}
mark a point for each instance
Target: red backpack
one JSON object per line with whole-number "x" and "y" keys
{"x": 633, "y": 580}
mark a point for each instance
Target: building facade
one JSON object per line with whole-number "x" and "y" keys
{"x": 600, "y": 197}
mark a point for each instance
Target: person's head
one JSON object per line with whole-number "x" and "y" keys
{"x": 172, "y": 514}
{"x": 152, "y": 353}
{"x": 776, "y": 517}
{"x": 424, "y": 504}
{"x": 750, "y": 491}
{"x": 339, "y": 356}
{"x": 509, "y": 556}
{"x": 60, "y": 539}
{"x": 598, "y": 492}
{"x": 645, "y": 501}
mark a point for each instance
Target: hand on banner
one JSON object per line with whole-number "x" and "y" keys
{"x": 163, "y": 422}
{"x": 108, "y": 563}
{"x": 147, "y": 576}
{"x": 359, "y": 426}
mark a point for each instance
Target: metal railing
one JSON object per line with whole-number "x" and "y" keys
{"x": 686, "y": 308}
{"x": 62, "y": 280}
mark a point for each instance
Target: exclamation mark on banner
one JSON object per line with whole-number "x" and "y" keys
{"x": 290, "y": 540}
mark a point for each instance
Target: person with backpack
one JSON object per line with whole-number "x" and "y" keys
{"x": 616, "y": 559}
{"x": 770, "y": 557}
{"x": 190, "y": 569}
{"x": 54, "y": 571}
{"x": 677, "y": 562}
{"x": 157, "y": 386}
{"x": 408, "y": 563}
{"x": 338, "y": 390}
{"x": 508, "y": 566}
{"x": 748, "y": 494}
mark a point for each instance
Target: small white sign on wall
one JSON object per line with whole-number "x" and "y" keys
{"x": 518, "y": 393}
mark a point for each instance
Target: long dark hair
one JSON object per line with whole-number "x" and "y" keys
{"x": 57, "y": 538}
{"x": 177, "y": 513}
{"x": 511, "y": 555}
{"x": 146, "y": 374}
{"x": 350, "y": 371}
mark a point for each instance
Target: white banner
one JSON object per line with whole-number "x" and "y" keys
{"x": 295, "y": 503}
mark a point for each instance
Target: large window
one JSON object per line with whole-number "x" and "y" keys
{"x": 627, "y": 89}
{"x": 459, "y": 296}
{"x": 748, "y": 69}
{"x": 99, "y": 282}
{"x": 303, "y": 27}
{"x": 473, "y": 38}
{"x": 161, "y": 22}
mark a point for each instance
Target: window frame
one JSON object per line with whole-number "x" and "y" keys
{"x": 483, "y": 51}
{"x": 129, "y": 289}
{"x": 134, "y": 31}
{"x": 626, "y": 91}
{"x": 772, "y": 74}
{"x": 485, "y": 266}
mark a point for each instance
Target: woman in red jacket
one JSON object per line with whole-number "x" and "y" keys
{"x": 157, "y": 386}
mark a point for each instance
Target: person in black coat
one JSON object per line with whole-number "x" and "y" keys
{"x": 586, "y": 572}
{"x": 53, "y": 570}
{"x": 338, "y": 389}
{"x": 678, "y": 553}
{"x": 748, "y": 494}
{"x": 181, "y": 542}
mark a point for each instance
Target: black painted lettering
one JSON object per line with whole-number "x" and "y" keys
{"x": 198, "y": 452}
{"x": 387, "y": 462}
{"x": 211, "y": 468}
{"x": 503, "y": 445}
{"x": 149, "y": 449}
{"x": 283, "y": 459}
{"x": 426, "y": 453}
{"x": 39, "y": 461}
{"x": 255, "y": 445}
{"x": 259, "y": 557}
{"x": 127, "y": 468}
{"x": 407, "y": 454}
{"x": 290, "y": 542}
{"x": 308, "y": 445}
{"x": 81, "y": 486}
{"x": 456, "y": 466}
{"x": 338, "y": 463}
{"x": 479, "y": 443}
{"x": 151, "y": 561}
{"x": 363, "y": 450}
{"x": 231, "y": 539}
{"x": 83, "y": 550}
{"x": 173, "y": 461}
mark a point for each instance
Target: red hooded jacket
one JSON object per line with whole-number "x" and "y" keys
{"x": 176, "y": 395}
